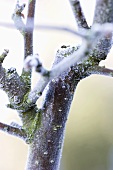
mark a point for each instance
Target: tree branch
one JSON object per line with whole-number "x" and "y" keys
{"x": 78, "y": 13}
{"x": 101, "y": 16}
{"x": 48, "y": 140}
{"x": 74, "y": 58}
{"x": 18, "y": 132}
{"x": 12, "y": 84}
{"x": 100, "y": 70}
{"x": 28, "y": 39}
{"x": 46, "y": 27}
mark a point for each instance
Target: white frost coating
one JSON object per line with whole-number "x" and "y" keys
{"x": 90, "y": 39}
{"x": 63, "y": 87}
{"x": 45, "y": 153}
{"x": 65, "y": 98}
{"x": 31, "y": 61}
{"x": 51, "y": 161}
{"x": 36, "y": 162}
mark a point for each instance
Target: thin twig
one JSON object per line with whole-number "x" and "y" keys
{"x": 78, "y": 13}
{"x": 45, "y": 27}
{"x": 101, "y": 71}
{"x": 18, "y": 132}
{"x": 28, "y": 38}
{"x": 102, "y": 28}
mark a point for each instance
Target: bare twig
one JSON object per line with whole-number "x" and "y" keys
{"x": 78, "y": 13}
{"x": 101, "y": 71}
{"x": 45, "y": 27}
{"x": 28, "y": 38}
{"x": 18, "y": 132}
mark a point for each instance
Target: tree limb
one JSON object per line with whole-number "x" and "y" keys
{"x": 18, "y": 132}
{"x": 17, "y": 18}
{"x": 28, "y": 38}
{"x": 77, "y": 56}
{"x": 101, "y": 16}
{"x": 78, "y": 13}
{"x": 48, "y": 140}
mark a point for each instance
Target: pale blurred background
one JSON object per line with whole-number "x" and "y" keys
{"x": 89, "y": 139}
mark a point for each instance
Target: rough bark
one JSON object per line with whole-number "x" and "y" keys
{"x": 103, "y": 14}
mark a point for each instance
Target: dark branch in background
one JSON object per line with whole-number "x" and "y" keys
{"x": 24, "y": 29}
{"x": 78, "y": 13}
{"x": 28, "y": 38}
{"x": 18, "y": 132}
{"x": 27, "y": 34}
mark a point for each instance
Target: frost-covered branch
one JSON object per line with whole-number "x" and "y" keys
{"x": 24, "y": 28}
{"x": 78, "y": 13}
{"x": 45, "y": 27}
{"x": 103, "y": 14}
{"x": 28, "y": 38}
{"x": 79, "y": 55}
{"x": 18, "y": 132}
{"x": 33, "y": 61}
{"x": 56, "y": 71}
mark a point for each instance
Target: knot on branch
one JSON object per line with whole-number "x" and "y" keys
{"x": 33, "y": 61}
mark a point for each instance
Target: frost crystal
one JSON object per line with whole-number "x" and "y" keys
{"x": 51, "y": 161}
{"x": 45, "y": 153}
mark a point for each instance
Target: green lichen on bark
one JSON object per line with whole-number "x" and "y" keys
{"x": 18, "y": 88}
{"x": 26, "y": 78}
{"x": 82, "y": 69}
{"x": 31, "y": 122}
